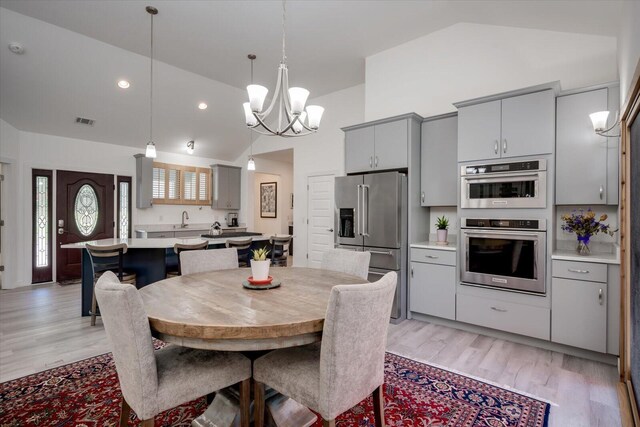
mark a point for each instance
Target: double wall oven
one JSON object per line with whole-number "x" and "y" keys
{"x": 507, "y": 254}
{"x": 520, "y": 184}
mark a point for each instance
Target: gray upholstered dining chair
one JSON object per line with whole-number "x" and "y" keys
{"x": 333, "y": 376}
{"x": 154, "y": 381}
{"x": 178, "y": 248}
{"x": 349, "y": 262}
{"x": 210, "y": 260}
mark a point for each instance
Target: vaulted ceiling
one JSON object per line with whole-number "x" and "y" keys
{"x": 76, "y": 51}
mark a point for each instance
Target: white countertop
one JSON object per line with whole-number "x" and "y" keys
{"x": 600, "y": 258}
{"x": 434, "y": 245}
{"x": 155, "y": 243}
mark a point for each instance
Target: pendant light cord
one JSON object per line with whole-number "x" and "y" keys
{"x": 151, "y": 88}
{"x": 284, "y": 14}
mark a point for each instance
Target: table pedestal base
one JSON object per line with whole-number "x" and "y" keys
{"x": 281, "y": 411}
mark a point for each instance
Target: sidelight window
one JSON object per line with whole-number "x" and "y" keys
{"x": 42, "y": 238}
{"x": 124, "y": 207}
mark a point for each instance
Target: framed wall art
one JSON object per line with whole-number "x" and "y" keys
{"x": 268, "y": 199}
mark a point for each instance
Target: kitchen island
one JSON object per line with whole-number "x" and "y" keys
{"x": 148, "y": 258}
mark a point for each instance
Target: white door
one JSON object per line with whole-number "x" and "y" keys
{"x": 320, "y": 218}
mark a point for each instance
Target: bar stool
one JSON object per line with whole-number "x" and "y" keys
{"x": 279, "y": 250}
{"x": 244, "y": 250}
{"x": 107, "y": 258}
{"x": 184, "y": 247}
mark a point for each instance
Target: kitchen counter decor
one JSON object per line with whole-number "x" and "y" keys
{"x": 442, "y": 226}
{"x": 585, "y": 225}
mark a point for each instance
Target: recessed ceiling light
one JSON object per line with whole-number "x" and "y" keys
{"x": 123, "y": 84}
{"x": 16, "y": 48}
{"x": 202, "y": 106}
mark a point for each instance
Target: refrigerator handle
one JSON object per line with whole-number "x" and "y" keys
{"x": 365, "y": 211}
{"x": 357, "y": 216}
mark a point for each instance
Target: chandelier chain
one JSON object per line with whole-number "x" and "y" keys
{"x": 284, "y": 17}
{"x": 151, "y": 87}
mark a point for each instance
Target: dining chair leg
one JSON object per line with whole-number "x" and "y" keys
{"x": 258, "y": 404}
{"x": 148, "y": 423}
{"x": 378, "y": 406}
{"x": 329, "y": 423}
{"x": 245, "y": 402}
{"x": 124, "y": 413}
{"x": 94, "y": 305}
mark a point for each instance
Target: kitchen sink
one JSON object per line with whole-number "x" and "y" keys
{"x": 232, "y": 234}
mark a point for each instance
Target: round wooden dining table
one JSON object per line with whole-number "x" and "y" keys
{"x": 213, "y": 311}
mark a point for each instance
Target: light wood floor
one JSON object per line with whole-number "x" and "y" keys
{"x": 41, "y": 327}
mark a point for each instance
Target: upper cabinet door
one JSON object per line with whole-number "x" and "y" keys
{"x": 359, "y": 148}
{"x": 528, "y": 124}
{"x": 391, "y": 145}
{"x": 234, "y": 188}
{"x": 439, "y": 162}
{"x": 219, "y": 187}
{"x": 479, "y": 131}
{"x": 581, "y": 155}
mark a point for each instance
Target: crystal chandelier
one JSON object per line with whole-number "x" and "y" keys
{"x": 293, "y": 119}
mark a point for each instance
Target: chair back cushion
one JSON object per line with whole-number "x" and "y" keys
{"x": 349, "y": 262}
{"x": 128, "y": 331}
{"x": 192, "y": 262}
{"x": 354, "y": 340}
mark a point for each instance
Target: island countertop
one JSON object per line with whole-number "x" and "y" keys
{"x": 157, "y": 243}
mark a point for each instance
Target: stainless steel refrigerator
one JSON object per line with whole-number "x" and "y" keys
{"x": 371, "y": 215}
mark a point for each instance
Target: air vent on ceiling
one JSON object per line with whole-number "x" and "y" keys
{"x": 83, "y": 121}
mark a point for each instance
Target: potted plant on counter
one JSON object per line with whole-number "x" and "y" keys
{"x": 442, "y": 226}
{"x": 260, "y": 264}
{"x": 585, "y": 225}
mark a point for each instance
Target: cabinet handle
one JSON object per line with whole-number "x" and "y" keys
{"x": 412, "y": 272}
{"x": 495, "y": 147}
{"x": 422, "y": 197}
{"x": 574, "y": 270}
{"x": 376, "y": 161}
{"x": 499, "y": 310}
{"x": 601, "y": 192}
{"x": 431, "y": 256}
{"x": 600, "y": 298}
{"x": 370, "y": 161}
{"x": 504, "y": 146}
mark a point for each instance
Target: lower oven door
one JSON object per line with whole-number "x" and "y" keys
{"x": 505, "y": 259}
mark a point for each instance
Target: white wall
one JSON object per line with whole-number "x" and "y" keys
{"x": 31, "y": 150}
{"x": 9, "y": 155}
{"x": 628, "y": 46}
{"x": 466, "y": 61}
{"x": 315, "y": 154}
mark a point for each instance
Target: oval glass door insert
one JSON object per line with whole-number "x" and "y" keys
{"x": 86, "y": 210}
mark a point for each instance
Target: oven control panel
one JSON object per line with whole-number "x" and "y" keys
{"x": 517, "y": 224}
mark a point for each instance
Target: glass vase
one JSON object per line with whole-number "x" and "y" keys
{"x": 583, "y": 245}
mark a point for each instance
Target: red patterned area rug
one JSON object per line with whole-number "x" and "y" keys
{"x": 87, "y": 393}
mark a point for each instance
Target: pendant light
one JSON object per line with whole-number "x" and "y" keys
{"x": 151, "y": 146}
{"x": 291, "y": 103}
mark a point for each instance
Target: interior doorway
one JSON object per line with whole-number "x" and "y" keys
{"x": 320, "y": 228}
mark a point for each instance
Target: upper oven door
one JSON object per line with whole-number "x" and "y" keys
{"x": 504, "y": 190}
{"x": 504, "y": 259}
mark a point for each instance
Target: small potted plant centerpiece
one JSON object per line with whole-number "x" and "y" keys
{"x": 442, "y": 226}
{"x": 260, "y": 264}
{"x": 584, "y": 225}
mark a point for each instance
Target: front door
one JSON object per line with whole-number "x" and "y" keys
{"x": 84, "y": 211}
{"x": 320, "y": 215}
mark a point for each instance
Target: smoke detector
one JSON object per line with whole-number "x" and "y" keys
{"x": 16, "y": 48}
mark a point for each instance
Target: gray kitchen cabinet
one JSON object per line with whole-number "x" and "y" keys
{"x": 144, "y": 181}
{"x": 439, "y": 161}
{"x": 516, "y": 125}
{"x": 586, "y": 163}
{"x": 380, "y": 145}
{"x": 390, "y": 145}
{"x": 432, "y": 285}
{"x": 225, "y": 187}
{"x": 359, "y": 149}
{"x": 579, "y": 314}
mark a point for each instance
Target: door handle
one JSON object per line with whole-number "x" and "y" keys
{"x": 499, "y": 310}
{"x": 504, "y": 145}
{"x": 330, "y": 229}
{"x": 575, "y": 270}
{"x": 431, "y": 256}
{"x": 370, "y": 161}
{"x": 358, "y": 213}
{"x": 389, "y": 253}
{"x": 495, "y": 146}
{"x": 600, "y": 296}
{"x": 375, "y": 273}
{"x": 365, "y": 212}
{"x": 601, "y": 192}
{"x": 422, "y": 197}
{"x": 376, "y": 161}
{"x": 412, "y": 272}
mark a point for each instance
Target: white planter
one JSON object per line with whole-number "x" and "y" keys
{"x": 442, "y": 235}
{"x": 260, "y": 269}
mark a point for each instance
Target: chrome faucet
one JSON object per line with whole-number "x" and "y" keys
{"x": 185, "y": 215}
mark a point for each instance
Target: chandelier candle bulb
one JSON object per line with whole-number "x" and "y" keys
{"x": 314, "y": 113}
{"x": 599, "y": 120}
{"x": 257, "y": 95}
{"x": 298, "y": 97}
{"x": 249, "y": 118}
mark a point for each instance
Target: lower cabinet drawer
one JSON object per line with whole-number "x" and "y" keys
{"x": 433, "y": 256}
{"x": 505, "y": 316}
